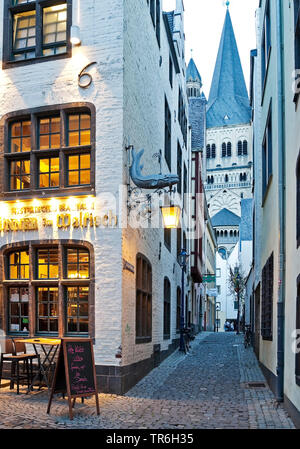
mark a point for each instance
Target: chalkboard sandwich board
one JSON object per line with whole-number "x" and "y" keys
{"x": 75, "y": 372}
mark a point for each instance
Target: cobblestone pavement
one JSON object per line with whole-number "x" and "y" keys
{"x": 207, "y": 388}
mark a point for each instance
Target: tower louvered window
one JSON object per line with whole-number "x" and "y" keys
{"x": 245, "y": 148}
{"x": 267, "y": 299}
{"x": 240, "y": 148}
{"x": 224, "y": 149}
{"x": 229, "y": 148}
{"x": 213, "y": 151}
{"x": 208, "y": 152}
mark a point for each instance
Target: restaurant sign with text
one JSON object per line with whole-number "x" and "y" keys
{"x": 58, "y": 214}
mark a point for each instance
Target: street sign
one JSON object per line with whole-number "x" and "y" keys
{"x": 208, "y": 278}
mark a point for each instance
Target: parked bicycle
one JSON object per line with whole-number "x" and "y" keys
{"x": 247, "y": 337}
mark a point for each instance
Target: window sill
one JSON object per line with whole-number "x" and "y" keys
{"x": 24, "y": 62}
{"x": 142, "y": 340}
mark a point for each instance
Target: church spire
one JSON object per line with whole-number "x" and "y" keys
{"x": 228, "y": 102}
{"x": 193, "y": 79}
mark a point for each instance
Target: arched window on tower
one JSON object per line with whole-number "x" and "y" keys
{"x": 208, "y": 153}
{"x": 245, "y": 148}
{"x": 240, "y": 148}
{"x": 224, "y": 149}
{"x": 229, "y": 148}
{"x": 226, "y": 178}
{"x": 213, "y": 151}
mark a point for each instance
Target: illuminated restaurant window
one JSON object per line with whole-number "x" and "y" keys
{"x": 20, "y": 137}
{"x": 49, "y": 136}
{"x": 55, "y": 30}
{"x": 77, "y": 309}
{"x": 48, "y": 263}
{"x": 20, "y": 175}
{"x": 79, "y": 130}
{"x": 35, "y": 272}
{"x": 79, "y": 170}
{"x": 18, "y": 319}
{"x": 36, "y": 30}
{"x": 78, "y": 264}
{"x": 47, "y": 316}
{"x": 18, "y": 265}
{"x": 43, "y": 153}
{"x": 24, "y": 40}
{"x": 49, "y": 172}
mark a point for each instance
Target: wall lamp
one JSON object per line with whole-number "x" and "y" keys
{"x": 75, "y": 35}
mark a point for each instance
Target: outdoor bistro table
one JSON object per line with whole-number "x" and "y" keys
{"x": 49, "y": 347}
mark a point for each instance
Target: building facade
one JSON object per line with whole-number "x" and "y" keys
{"x": 79, "y": 255}
{"x": 275, "y": 100}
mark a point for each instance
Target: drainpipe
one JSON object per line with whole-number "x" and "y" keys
{"x": 282, "y": 206}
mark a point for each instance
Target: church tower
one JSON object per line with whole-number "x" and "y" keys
{"x": 228, "y": 131}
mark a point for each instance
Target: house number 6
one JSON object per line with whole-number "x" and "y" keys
{"x": 82, "y": 74}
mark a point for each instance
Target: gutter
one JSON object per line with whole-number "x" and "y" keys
{"x": 281, "y": 198}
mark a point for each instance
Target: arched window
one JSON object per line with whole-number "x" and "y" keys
{"x": 229, "y": 149}
{"x": 245, "y": 148}
{"x": 178, "y": 308}
{"x": 208, "y": 153}
{"x": 223, "y": 253}
{"x": 167, "y": 308}
{"x": 225, "y": 234}
{"x": 213, "y": 151}
{"x": 240, "y": 148}
{"x": 224, "y": 149}
{"x": 143, "y": 299}
{"x": 231, "y": 233}
{"x": 226, "y": 178}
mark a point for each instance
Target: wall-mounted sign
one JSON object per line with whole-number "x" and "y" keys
{"x": 208, "y": 278}
{"x": 65, "y": 213}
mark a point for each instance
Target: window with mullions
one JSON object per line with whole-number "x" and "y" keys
{"x": 41, "y": 153}
{"x": 48, "y": 263}
{"x": 143, "y": 326}
{"x": 49, "y": 133}
{"x": 43, "y": 271}
{"x": 18, "y": 314}
{"x": 20, "y": 175}
{"x": 20, "y": 137}
{"x": 55, "y": 30}
{"x": 49, "y": 173}
{"x": 77, "y": 310}
{"x": 79, "y": 130}
{"x": 18, "y": 265}
{"x": 36, "y": 30}
{"x": 78, "y": 263}
{"x": 79, "y": 170}
{"x": 24, "y": 26}
{"x": 47, "y": 315}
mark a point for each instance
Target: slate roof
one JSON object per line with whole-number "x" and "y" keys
{"x": 228, "y": 102}
{"x": 197, "y": 116}
{"x": 246, "y": 226}
{"x": 225, "y": 218}
{"x": 192, "y": 73}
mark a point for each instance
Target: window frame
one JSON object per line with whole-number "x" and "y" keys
{"x": 63, "y": 152}
{"x": 38, "y": 5}
{"x": 167, "y": 309}
{"x": 144, "y": 328}
{"x": 267, "y": 300}
{"x": 34, "y": 283}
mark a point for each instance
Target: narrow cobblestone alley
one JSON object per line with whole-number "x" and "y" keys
{"x": 208, "y": 388}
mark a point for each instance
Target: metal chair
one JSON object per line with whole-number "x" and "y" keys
{"x": 15, "y": 352}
